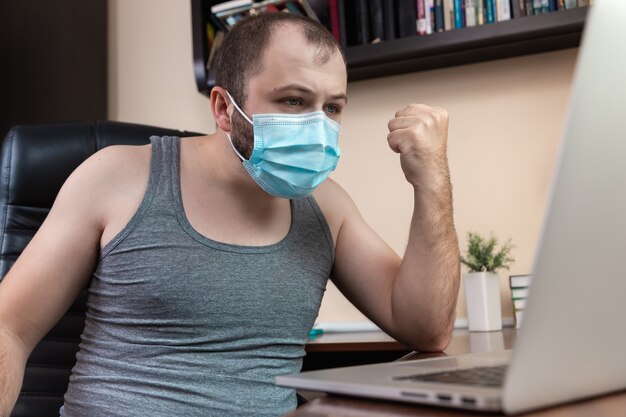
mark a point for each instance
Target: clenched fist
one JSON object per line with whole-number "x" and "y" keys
{"x": 419, "y": 133}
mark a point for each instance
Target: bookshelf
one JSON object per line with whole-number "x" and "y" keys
{"x": 515, "y": 37}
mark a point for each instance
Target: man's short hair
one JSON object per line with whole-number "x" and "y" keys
{"x": 241, "y": 53}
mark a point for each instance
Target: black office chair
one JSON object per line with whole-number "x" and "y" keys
{"x": 36, "y": 160}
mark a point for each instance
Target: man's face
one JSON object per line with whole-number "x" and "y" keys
{"x": 292, "y": 80}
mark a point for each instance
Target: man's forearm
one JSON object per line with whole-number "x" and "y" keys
{"x": 426, "y": 287}
{"x": 12, "y": 362}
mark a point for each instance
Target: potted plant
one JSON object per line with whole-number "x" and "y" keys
{"x": 481, "y": 283}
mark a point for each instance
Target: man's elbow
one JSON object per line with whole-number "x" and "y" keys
{"x": 436, "y": 342}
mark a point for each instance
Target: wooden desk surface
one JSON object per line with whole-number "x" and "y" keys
{"x": 354, "y": 342}
{"x": 462, "y": 342}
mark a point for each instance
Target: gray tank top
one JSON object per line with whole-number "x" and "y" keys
{"x": 178, "y": 324}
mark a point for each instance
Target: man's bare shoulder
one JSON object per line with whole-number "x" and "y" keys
{"x": 112, "y": 177}
{"x": 111, "y": 168}
{"x": 335, "y": 203}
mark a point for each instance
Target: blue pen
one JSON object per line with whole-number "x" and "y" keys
{"x": 315, "y": 332}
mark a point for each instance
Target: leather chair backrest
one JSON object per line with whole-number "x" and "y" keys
{"x": 35, "y": 162}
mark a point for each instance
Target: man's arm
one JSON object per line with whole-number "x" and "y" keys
{"x": 13, "y": 355}
{"x": 414, "y": 298}
{"x": 52, "y": 270}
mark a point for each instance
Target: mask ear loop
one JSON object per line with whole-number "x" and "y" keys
{"x": 233, "y": 146}
{"x": 228, "y": 134}
{"x": 232, "y": 100}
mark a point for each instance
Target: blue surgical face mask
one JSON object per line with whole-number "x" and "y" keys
{"x": 293, "y": 153}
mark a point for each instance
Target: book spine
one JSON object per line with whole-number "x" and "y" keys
{"x": 463, "y": 14}
{"x": 570, "y": 4}
{"x": 583, "y": 3}
{"x": 439, "y": 16}
{"x": 377, "y": 32}
{"x": 528, "y": 4}
{"x": 504, "y": 10}
{"x": 421, "y": 18}
{"x": 389, "y": 17}
{"x": 553, "y": 6}
{"x": 537, "y": 6}
{"x": 560, "y": 4}
{"x": 516, "y": 8}
{"x": 448, "y": 14}
{"x": 341, "y": 14}
{"x": 470, "y": 13}
{"x": 333, "y": 8}
{"x": 458, "y": 16}
{"x": 362, "y": 24}
{"x": 490, "y": 11}
{"x": 480, "y": 12}
{"x": 545, "y": 6}
{"x": 430, "y": 16}
{"x": 407, "y": 17}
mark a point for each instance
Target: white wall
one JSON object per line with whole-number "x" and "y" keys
{"x": 506, "y": 119}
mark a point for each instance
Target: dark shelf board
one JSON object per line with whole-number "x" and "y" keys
{"x": 522, "y": 36}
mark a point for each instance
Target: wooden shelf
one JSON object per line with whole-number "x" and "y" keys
{"x": 515, "y": 37}
{"x": 526, "y": 35}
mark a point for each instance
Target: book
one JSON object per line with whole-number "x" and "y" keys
{"x": 490, "y": 11}
{"x": 333, "y": 12}
{"x": 458, "y": 13}
{"x": 348, "y": 24}
{"x": 226, "y": 15}
{"x": 422, "y": 24}
{"x": 470, "y": 13}
{"x": 463, "y": 14}
{"x": 519, "y": 285}
{"x": 553, "y": 5}
{"x": 480, "y": 12}
{"x": 343, "y": 23}
{"x": 362, "y": 22}
{"x": 448, "y": 14}
{"x": 217, "y": 42}
{"x": 520, "y": 281}
{"x": 439, "y": 16}
{"x": 528, "y": 5}
{"x": 230, "y": 5}
{"x": 389, "y": 20}
{"x": 517, "y": 9}
{"x": 504, "y": 10}
{"x": 321, "y": 8}
{"x": 570, "y": 4}
{"x": 583, "y": 3}
{"x": 545, "y": 6}
{"x": 377, "y": 31}
{"x": 519, "y": 293}
{"x": 430, "y": 15}
{"x": 406, "y": 17}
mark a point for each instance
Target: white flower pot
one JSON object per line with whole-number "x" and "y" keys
{"x": 482, "y": 296}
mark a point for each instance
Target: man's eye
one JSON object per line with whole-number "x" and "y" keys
{"x": 333, "y": 109}
{"x": 293, "y": 101}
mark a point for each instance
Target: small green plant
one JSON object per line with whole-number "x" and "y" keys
{"x": 482, "y": 255}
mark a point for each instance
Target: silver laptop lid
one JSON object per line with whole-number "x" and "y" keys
{"x": 573, "y": 341}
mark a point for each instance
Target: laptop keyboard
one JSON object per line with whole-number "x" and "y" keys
{"x": 483, "y": 376}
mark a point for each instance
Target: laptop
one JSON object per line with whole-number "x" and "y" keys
{"x": 572, "y": 344}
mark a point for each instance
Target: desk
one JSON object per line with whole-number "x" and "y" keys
{"x": 462, "y": 342}
{"x": 332, "y": 350}
{"x": 354, "y": 342}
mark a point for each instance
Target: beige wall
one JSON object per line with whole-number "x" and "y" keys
{"x": 506, "y": 119}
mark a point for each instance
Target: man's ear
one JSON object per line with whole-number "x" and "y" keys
{"x": 220, "y": 106}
